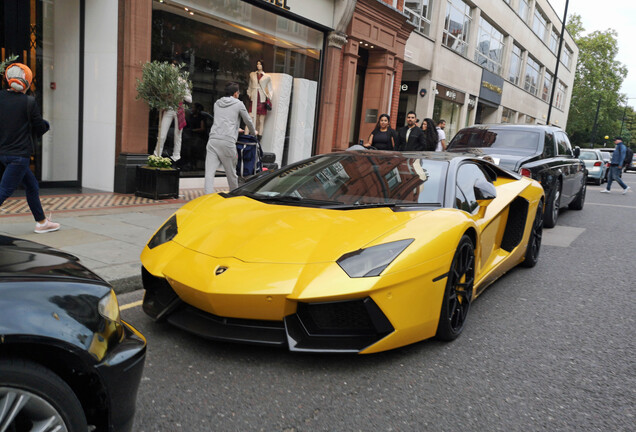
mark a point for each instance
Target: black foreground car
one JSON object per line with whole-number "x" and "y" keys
{"x": 67, "y": 360}
{"x": 541, "y": 152}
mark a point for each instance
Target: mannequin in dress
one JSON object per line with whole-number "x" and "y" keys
{"x": 260, "y": 88}
{"x": 167, "y": 117}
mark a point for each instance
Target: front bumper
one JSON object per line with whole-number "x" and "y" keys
{"x": 120, "y": 371}
{"x": 347, "y": 326}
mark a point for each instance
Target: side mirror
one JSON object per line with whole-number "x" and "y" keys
{"x": 577, "y": 151}
{"x": 485, "y": 192}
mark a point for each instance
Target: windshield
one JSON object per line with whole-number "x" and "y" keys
{"x": 521, "y": 141}
{"x": 588, "y": 155}
{"x": 346, "y": 180}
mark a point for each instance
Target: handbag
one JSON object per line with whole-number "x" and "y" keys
{"x": 268, "y": 101}
{"x": 181, "y": 116}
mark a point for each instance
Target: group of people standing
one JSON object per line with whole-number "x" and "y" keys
{"x": 427, "y": 137}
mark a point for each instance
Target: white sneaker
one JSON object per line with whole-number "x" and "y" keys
{"x": 605, "y": 191}
{"x": 627, "y": 189}
{"x": 47, "y": 226}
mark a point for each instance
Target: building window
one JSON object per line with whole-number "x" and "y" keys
{"x": 532, "y": 76}
{"x": 554, "y": 42}
{"x": 515, "y": 65}
{"x": 560, "y": 93}
{"x": 507, "y": 116}
{"x": 456, "y": 26}
{"x": 566, "y": 56}
{"x": 523, "y": 8}
{"x": 539, "y": 24}
{"x": 530, "y": 119}
{"x": 489, "y": 47}
{"x": 547, "y": 86}
{"x": 419, "y": 13}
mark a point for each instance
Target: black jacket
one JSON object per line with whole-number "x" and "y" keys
{"x": 417, "y": 140}
{"x": 15, "y": 132}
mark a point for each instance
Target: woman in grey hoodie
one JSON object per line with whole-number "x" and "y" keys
{"x": 221, "y": 148}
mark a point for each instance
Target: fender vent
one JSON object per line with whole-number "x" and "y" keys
{"x": 515, "y": 225}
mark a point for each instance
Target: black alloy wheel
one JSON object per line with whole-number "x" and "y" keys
{"x": 458, "y": 293}
{"x": 552, "y": 209}
{"x": 534, "y": 242}
{"x": 579, "y": 201}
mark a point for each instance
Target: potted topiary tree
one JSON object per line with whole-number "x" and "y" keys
{"x": 163, "y": 86}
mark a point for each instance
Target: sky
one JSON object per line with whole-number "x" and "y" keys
{"x": 619, "y": 15}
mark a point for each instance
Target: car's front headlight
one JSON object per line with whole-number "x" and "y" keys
{"x": 373, "y": 260}
{"x": 165, "y": 233}
{"x": 108, "y": 307}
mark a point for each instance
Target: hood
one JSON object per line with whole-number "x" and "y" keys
{"x": 23, "y": 258}
{"x": 227, "y": 101}
{"x": 252, "y": 231}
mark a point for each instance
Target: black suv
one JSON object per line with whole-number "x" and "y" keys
{"x": 541, "y": 152}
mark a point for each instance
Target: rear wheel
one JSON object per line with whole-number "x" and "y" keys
{"x": 33, "y": 398}
{"x": 534, "y": 242}
{"x": 553, "y": 207}
{"x": 599, "y": 181}
{"x": 458, "y": 293}
{"x": 579, "y": 201}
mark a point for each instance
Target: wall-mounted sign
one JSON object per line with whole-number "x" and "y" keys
{"x": 404, "y": 87}
{"x": 491, "y": 87}
{"x": 371, "y": 116}
{"x": 449, "y": 94}
{"x": 280, "y": 3}
{"x": 409, "y": 87}
{"x": 472, "y": 101}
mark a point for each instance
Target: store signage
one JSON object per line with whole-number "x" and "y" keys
{"x": 404, "y": 87}
{"x": 449, "y": 94}
{"x": 491, "y": 87}
{"x": 280, "y": 3}
{"x": 371, "y": 116}
{"x": 409, "y": 87}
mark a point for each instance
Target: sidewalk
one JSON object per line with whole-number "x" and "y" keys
{"x": 107, "y": 232}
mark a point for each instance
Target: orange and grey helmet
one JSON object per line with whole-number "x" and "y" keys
{"x": 19, "y": 77}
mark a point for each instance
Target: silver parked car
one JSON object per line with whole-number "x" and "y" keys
{"x": 596, "y": 166}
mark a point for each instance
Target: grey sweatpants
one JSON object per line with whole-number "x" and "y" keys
{"x": 219, "y": 153}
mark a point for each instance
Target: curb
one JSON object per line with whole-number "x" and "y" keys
{"x": 125, "y": 285}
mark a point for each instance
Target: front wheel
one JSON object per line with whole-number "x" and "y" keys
{"x": 553, "y": 207}
{"x": 458, "y": 293}
{"x": 36, "y": 399}
{"x": 534, "y": 242}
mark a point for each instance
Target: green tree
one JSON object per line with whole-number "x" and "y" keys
{"x": 597, "y": 83}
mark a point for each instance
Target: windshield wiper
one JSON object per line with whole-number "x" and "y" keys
{"x": 395, "y": 206}
{"x": 291, "y": 199}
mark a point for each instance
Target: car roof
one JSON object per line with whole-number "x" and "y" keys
{"x": 514, "y": 126}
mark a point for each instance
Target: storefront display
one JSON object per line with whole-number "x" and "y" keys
{"x": 219, "y": 44}
{"x": 448, "y": 104}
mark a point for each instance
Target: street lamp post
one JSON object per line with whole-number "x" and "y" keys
{"x": 625, "y": 112}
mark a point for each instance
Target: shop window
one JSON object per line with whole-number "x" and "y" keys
{"x": 489, "y": 47}
{"x": 532, "y": 76}
{"x": 507, "y": 116}
{"x": 456, "y": 26}
{"x": 419, "y": 13}
{"x": 222, "y": 44}
{"x": 515, "y": 65}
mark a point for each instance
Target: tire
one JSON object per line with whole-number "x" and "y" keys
{"x": 458, "y": 293}
{"x": 552, "y": 208}
{"x": 35, "y": 394}
{"x": 534, "y": 242}
{"x": 579, "y": 201}
{"x": 599, "y": 181}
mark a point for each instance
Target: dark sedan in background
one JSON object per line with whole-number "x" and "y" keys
{"x": 68, "y": 362}
{"x": 543, "y": 153}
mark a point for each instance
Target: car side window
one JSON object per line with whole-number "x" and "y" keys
{"x": 563, "y": 145}
{"x": 468, "y": 175}
{"x": 548, "y": 147}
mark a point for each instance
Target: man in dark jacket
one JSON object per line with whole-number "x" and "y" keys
{"x": 411, "y": 137}
{"x": 21, "y": 118}
{"x": 616, "y": 165}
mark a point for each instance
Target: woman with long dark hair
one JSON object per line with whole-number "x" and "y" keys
{"x": 383, "y": 136}
{"x": 430, "y": 134}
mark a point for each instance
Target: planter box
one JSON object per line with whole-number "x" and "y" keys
{"x": 157, "y": 183}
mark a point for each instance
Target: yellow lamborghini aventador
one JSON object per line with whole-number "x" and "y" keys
{"x": 360, "y": 251}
